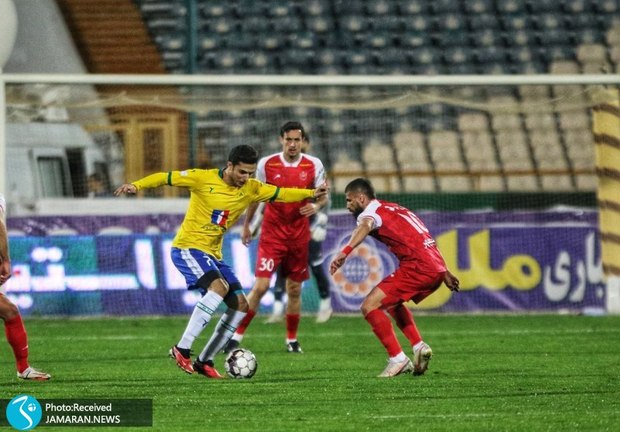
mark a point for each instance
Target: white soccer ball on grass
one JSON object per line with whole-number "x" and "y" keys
{"x": 241, "y": 363}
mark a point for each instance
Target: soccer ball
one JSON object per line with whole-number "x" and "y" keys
{"x": 241, "y": 363}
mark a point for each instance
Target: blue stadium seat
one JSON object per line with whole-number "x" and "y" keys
{"x": 548, "y": 21}
{"x": 381, "y": 7}
{"x": 485, "y": 37}
{"x": 483, "y": 21}
{"x": 458, "y": 55}
{"x": 250, "y": 8}
{"x": 418, "y": 23}
{"x": 545, "y": 6}
{"x": 355, "y": 23}
{"x": 449, "y": 22}
{"x": 303, "y": 40}
{"x": 216, "y": 8}
{"x": 387, "y": 23}
{"x": 446, "y": 39}
{"x": 605, "y": 6}
{"x": 320, "y": 24}
{"x": 519, "y": 38}
{"x": 575, "y": 6}
{"x": 378, "y": 40}
{"x": 256, "y": 24}
{"x": 425, "y": 56}
{"x": 490, "y": 54}
{"x": 521, "y": 21}
{"x": 415, "y": 39}
{"x": 511, "y": 6}
{"x": 444, "y": 6}
{"x": 412, "y": 7}
{"x": 477, "y": 7}
{"x": 315, "y": 8}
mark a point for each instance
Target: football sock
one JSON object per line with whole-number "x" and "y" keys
{"x": 223, "y": 331}
{"x": 382, "y": 328}
{"x": 201, "y": 316}
{"x": 322, "y": 282}
{"x": 399, "y": 357}
{"x": 18, "y": 339}
{"x": 404, "y": 320}
{"x": 243, "y": 325}
{"x": 292, "y": 324}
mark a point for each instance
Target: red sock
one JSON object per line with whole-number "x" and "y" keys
{"x": 292, "y": 324}
{"x": 18, "y": 339}
{"x": 404, "y": 320}
{"x": 245, "y": 322}
{"x": 382, "y": 327}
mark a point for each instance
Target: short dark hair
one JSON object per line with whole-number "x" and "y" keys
{"x": 361, "y": 185}
{"x": 243, "y": 154}
{"x": 292, "y": 125}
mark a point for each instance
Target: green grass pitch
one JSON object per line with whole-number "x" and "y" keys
{"x": 488, "y": 373}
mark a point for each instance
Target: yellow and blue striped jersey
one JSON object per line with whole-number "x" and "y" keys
{"x": 214, "y": 206}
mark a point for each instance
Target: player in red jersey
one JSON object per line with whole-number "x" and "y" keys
{"x": 421, "y": 271}
{"x": 9, "y": 313}
{"x": 285, "y": 230}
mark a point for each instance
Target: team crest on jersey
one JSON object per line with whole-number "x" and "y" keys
{"x": 303, "y": 176}
{"x": 220, "y": 217}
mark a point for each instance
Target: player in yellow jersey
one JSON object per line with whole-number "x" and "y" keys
{"x": 218, "y": 197}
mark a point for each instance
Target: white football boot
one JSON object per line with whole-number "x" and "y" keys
{"x": 325, "y": 310}
{"x": 394, "y": 368}
{"x": 421, "y": 356}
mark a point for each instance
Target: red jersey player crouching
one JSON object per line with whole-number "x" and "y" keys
{"x": 421, "y": 271}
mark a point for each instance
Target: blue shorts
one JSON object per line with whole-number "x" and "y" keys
{"x": 195, "y": 264}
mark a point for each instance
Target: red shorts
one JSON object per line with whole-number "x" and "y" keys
{"x": 292, "y": 257}
{"x": 408, "y": 284}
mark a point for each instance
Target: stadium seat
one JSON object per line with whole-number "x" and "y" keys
{"x": 547, "y": 149}
{"x": 412, "y": 7}
{"x": 411, "y": 151}
{"x": 580, "y": 148}
{"x": 316, "y": 8}
{"x": 506, "y": 7}
{"x": 522, "y": 183}
{"x": 450, "y": 183}
{"x": 513, "y": 150}
{"x": 417, "y": 184}
{"x": 216, "y": 8}
{"x": 535, "y": 121}
{"x": 445, "y": 151}
{"x": 560, "y": 183}
{"x": 483, "y": 21}
{"x": 534, "y": 93}
{"x": 477, "y": 7}
{"x": 574, "y": 120}
{"x": 415, "y": 39}
{"x": 345, "y": 169}
{"x": 479, "y": 151}
{"x": 321, "y": 25}
{"x": 545, "y": 6}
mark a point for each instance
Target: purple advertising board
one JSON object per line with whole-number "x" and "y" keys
{"x": 506, "y": 261}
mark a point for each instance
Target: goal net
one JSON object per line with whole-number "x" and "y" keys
{"x": 504, "y": 174}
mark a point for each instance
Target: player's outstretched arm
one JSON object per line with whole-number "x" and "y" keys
{"x": 357, "y": 237}
{"x": 321, "y": 191}
{"x": 451, "y": 281}
{"x": 126, "y": 188}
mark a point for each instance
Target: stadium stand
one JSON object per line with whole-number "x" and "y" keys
{"x": 531, "y": 150}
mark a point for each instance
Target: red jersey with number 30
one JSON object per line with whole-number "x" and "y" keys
{"x": 282, "y": 221}
{"x": 405, "y": 235}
